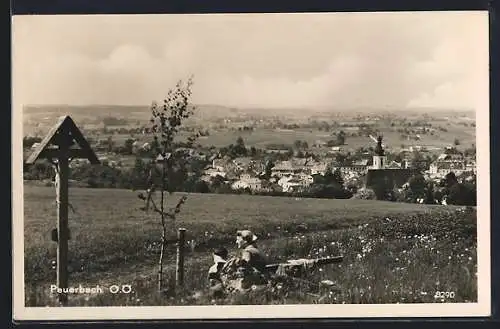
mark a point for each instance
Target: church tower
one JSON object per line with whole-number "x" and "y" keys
{"x": 379, "y": 158}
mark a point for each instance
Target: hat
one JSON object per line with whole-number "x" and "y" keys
{"x": 221, "y": 252}
{"x": 247, "y": 235}
{"x": 220, "y": 255}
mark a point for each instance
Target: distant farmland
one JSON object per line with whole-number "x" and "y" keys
{"x": 43, "y": 117}
{"x": 262, "y": 137}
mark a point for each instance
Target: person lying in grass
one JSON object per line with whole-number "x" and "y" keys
{"x": 216, "y": 285}
{"x": 239, "y": 273}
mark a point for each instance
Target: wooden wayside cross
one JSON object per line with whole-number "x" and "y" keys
{"x": 63, "y": 143}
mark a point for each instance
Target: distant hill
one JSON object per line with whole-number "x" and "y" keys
{"x": 115, "y": 110}
{"x": 218, "y": 111}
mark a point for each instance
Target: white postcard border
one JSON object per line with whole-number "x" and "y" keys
{"x": 481, "y": 308}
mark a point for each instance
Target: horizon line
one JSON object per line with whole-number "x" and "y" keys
{"x": 324, "y": 107}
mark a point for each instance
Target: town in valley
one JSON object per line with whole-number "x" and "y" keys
{"x": 327, "y": 154}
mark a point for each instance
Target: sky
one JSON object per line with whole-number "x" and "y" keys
{"x": 333, "y": 60}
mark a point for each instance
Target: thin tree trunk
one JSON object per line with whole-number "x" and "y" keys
{"x": 160, "y": 263}
{"x": 164, "y": 230}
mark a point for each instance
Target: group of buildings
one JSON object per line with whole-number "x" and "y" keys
{"x": 297, "y": 173}
{"x": 451, "y": 163}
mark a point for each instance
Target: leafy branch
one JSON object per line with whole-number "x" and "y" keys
{"x": 169, "y": 162}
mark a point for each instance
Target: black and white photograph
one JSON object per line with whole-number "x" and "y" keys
{"x": 218, "y": 166}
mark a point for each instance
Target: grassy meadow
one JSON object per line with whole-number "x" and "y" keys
{"x": 393, "y": 252}
{"x": 261, "y": 137}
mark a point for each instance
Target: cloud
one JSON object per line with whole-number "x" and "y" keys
{"x": 339, "y": 60}
{"x": 457, "y": 75}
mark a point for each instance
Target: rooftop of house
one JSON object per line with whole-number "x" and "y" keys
{"x": 283, "y": 165}
{"x": 220, "y": 162}
{"x": 299, "y": 162}
{"x": 449, "y": 165}
{"x": 394, "y": 164}
{"x": 362, "y": 162}
{"x": 250, "y": 180}
{"x": 243, "y": 160}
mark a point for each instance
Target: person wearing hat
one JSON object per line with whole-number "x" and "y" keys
{"x": 220, "y": 259}
{"x": 252, "y": 260}
{"x": 214, "y": 273}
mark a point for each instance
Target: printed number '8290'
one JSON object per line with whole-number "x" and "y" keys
{"x": 444, "y": 294}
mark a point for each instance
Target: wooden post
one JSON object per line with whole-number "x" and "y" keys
{"x": 62, "y": 218}
{"x": 63, "y": 135}
{"x": 179, "y": 273}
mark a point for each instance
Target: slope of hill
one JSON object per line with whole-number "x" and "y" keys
{"x": 388, "y": 247}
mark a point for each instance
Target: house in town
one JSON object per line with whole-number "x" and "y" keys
{"x": 242, "y": 163}
{"x": 277, "y": 151}
{"x": 317, "y": 168}
{"x": 211, "y": 172}
{"x": 418, "y": 148}
{"x": 293, "y": 183}
{"x": 359, "y": 167}
{"x": 335, "y": 149}
{"x": 246, "y": 181}
{"x": 394, "y": 165}
{"x": 217, "y": 168}
{"x": 470, "y": 166}
{"x": 306, "y": 178}
{"x": 219, "y": 164}
{"x": 247, "y": 164}
{"x": 285, "y": 168}
{"x": 447, "y": 163}
{"x": 319, "y": 144}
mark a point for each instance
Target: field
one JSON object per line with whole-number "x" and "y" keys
{"x": 262, "y": 137}
{"x": 38, "y": 120}
{"x": 393, "y": 252}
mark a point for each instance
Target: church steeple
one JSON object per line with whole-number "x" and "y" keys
{"x": 379, "y": 150}
{"x": 379, "y": 156}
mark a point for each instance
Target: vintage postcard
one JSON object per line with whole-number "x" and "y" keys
{"x": 251, "y": 166}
